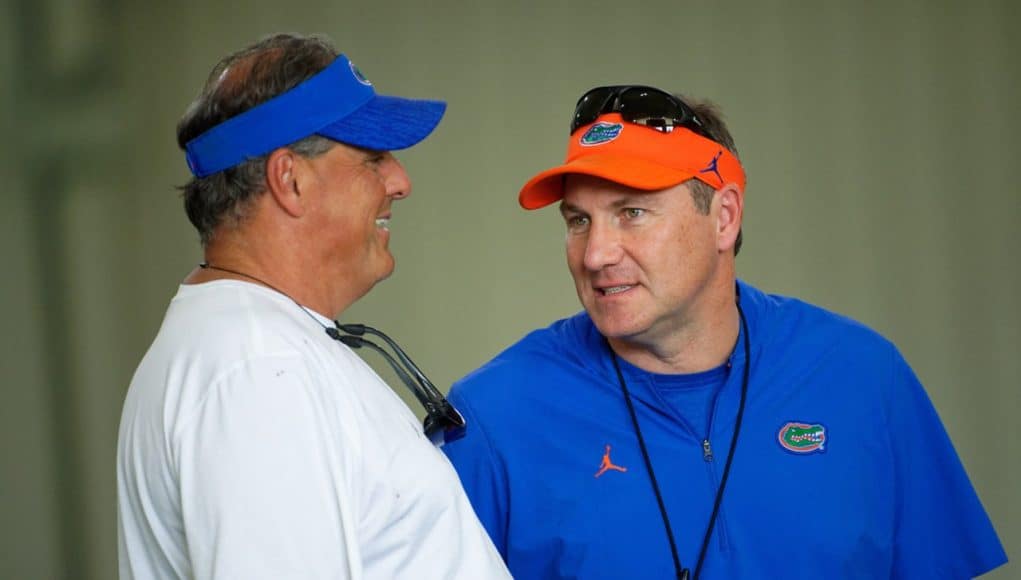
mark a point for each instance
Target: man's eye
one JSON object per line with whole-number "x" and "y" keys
{"x": 633, "y": 212}
{"x": 577, "y": 221}
{"x": 375, "y": 157}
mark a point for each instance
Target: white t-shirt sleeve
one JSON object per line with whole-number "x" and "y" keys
{"x": 266, "y": 466}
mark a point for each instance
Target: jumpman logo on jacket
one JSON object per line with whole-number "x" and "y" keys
{"x": 607, "y": 464}
{"x": 714, "y": 167}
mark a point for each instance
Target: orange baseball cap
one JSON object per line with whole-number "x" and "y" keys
{"x": 636, "y": 156}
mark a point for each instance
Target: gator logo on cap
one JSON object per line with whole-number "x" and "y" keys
{"x": 601, "y": 133}
{"x": 359, "y": 76}
{"x": 802, "y": 438}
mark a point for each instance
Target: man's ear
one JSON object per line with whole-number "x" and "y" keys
{"x": 282, "y": 167}
{"x": 730, "y": 210}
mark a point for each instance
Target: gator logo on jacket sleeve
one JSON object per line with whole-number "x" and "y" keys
{"x": 802, "y": 438}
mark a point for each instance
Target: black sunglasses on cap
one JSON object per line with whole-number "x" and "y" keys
{"x": 641, "y": 105}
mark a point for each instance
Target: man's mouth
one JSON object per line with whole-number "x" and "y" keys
{"x": 611, "y": 290}
{"x": 383, "y": 223}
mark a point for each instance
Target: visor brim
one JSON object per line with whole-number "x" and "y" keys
{"x": 387, "y": 123}
{"x": 548, "y": 187}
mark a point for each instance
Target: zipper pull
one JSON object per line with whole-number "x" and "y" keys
{"x": 707, "y": 450}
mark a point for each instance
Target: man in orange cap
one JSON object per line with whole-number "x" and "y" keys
{"x": 686, "y": 424}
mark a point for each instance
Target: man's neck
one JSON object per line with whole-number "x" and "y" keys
{"x": 237, "y": 259}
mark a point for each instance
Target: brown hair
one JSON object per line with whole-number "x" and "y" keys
{"x": 712, "y": 121}
{"x": 240, "y": 81}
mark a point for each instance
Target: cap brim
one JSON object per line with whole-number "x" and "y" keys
{"x": 548, "y": 186}
{"x": 387, "y": 123}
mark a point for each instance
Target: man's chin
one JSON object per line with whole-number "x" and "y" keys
{"x": 386, "y": 268}
{"x": 614, "y": 327}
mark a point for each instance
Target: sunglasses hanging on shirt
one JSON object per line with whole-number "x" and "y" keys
{"x": 443, "y": 422}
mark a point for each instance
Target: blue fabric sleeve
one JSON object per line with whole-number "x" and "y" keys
{"x": 481, "y": 472}
{"x": 941, "y": 529}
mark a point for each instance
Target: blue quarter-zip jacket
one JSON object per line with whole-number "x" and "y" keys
{"x": 842, "y": 470}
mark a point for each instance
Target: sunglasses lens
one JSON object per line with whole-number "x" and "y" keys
{"x": 591, "y": 105}
{"x": 656, "y": 109}
{"x": 644, "y": 102}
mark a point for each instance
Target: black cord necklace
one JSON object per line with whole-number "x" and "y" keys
{"x": 683, "y": 573}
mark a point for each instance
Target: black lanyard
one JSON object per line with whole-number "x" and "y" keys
{"x": 683, "y": 573}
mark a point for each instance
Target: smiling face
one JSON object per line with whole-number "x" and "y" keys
{"x": 646, "y": 265}
{"x": 352, "y": 191}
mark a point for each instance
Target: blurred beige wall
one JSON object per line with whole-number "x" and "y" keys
{"x": 881, "y": 142}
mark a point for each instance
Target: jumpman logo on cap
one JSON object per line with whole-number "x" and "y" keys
{"x": 713, "y": 166}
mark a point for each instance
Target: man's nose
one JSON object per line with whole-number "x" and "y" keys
{"x": 602, "y": 246}
{"x": 396, "y": 180}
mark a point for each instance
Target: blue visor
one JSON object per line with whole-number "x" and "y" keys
{"x": 338, "y": 103}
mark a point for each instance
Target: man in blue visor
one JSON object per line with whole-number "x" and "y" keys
{"x": 253, "y": 442}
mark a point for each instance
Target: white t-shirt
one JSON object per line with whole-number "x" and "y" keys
{"x": 252, "y": 445}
